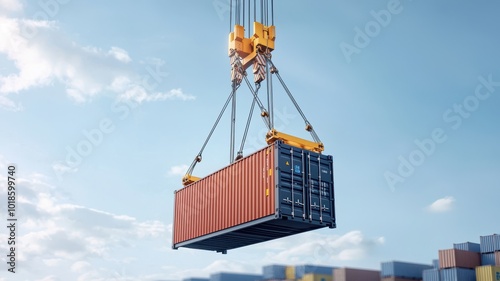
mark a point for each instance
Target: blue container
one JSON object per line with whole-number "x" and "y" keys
{"x": 403, "y": 269}
{"x": 490, "y": 243}
{"x": 224, "y": 276}
{"x": 468, "y": 246}
{"x": 301, "y": 270}
{"x": 431, "y": 275}
{"x": 458, "y": 274}
{"x": 435, "y": 263}
{"x": 488, "y": 259}
{"x": 274, "y": 271}
{"x": 195, "y": 279}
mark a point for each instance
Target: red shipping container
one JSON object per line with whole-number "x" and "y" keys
{"x": 355, "y": 274}
{"x": 458, "y": 258}
{"x": 497, "y": 258}
{"x": 277, "y": 191}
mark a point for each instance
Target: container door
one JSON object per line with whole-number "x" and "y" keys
{"x": 291, "y": 181}
{"x": 320, "y": 188}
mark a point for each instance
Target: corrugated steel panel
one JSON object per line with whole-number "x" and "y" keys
{"x": 488, "y": 273}
{"x": 274, "y": 271}
{"x": 488, "y": 259}
{"x": 301, "y": 270}
{"x": 317, "y": 277}
{"x": 226, "y": 276}
{"x": 290, "y": 272}
{"x": 458, "y": 274}
{"x": 392, "y": 278}
{"x": 468, "y": 246}
{"x": 355, "y": 274}
{"x": 435, "y": 263}
{"x": 276, "y": 192}
{"x": 490, "y": 243}
{"x": 497, "y": 258}
{"x": 431, "y": 275}
{"x": 403, "y": 269}
{"x": 457, "y": 258}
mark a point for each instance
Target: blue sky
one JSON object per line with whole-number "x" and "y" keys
{"x": 103, "y": 105}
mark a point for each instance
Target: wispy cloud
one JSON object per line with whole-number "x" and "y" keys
{"x": 442, "y": 205}
{"x": 178, "y": 170}
{"x": 85, "y": 71}
{"x": 10, "y": 6}
{"x": 68, "y": 238}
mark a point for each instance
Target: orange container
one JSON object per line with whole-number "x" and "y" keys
{"x": 458, "y": 258}
{"x": 277, "y": 191}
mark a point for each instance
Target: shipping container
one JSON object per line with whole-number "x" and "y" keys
{"x": 274, "y": 271}
{"x": 431, "y": 275}
{"x": 435, "y": 263}
{"x": 403, "y": 269}
{"x": 488, "y": 259}
{"x": 490, "y": 243}
{"x": 393, "y": 278}
{"x": 301, "y": 270}
{"x": 195, "y": 279}
{"x": 458, "y": 274}
{"x": 457, "y": 258}
{"x": 488, "y": 273}
{"x": 226, "y": 276}
{"x": 497, "y": 258}
{"x": 290, "y": 272}
{"x": 468, "y": 246}
{"x": 317, "y": 277}
{"x": 355, "y": 274}
{"x": 275, "y": 192}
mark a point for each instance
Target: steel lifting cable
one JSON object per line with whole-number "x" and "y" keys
{"x": 309, "y": 127}
{"x": 233, "y": 124}
{"x": 198, "y": 157}
{"x": 249, "y": 120}
{"x": 264, "y": 112}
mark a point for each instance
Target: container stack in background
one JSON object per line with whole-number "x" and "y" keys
{"x": 402, "y": 271}
{"x": 459, "y": 263}
{"x": 226, "y": 276}
{"x": 309, "y": 272}
{"x": 490, "y": 258}
{"x": 355, "y": 274}
{"x": 274, "y": 272}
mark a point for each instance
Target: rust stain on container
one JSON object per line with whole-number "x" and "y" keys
{"x": 258, "y": 198}
{"x": 458, "y": 258}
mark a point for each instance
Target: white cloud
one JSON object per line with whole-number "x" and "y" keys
{"x": 44, "y": 55}
{"x": 178, "y": 170}
{"x": 10, "y": 6}
{"x": 442, "y": 205}
{"x": 69, "y": 237}
{"x": 315, "y": 248}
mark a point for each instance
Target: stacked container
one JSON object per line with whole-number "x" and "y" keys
{"x": 302, "y": 270}
{"x": 195, "y": 279}
{"x": 274, "y": 272}
{"x": 355, "y": 274}
{"x": 490, "y": 249}
{"x": 458, "y": 264}
{"x": 488, "y": 273}
{"x": 225, "y": 276}
{"x": 431, "y": 275}
{"x": 316, "y": 277}
{"x": 401, "y": 271}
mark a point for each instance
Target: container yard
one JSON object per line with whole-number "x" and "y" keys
{"x": 463, "y": 262}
